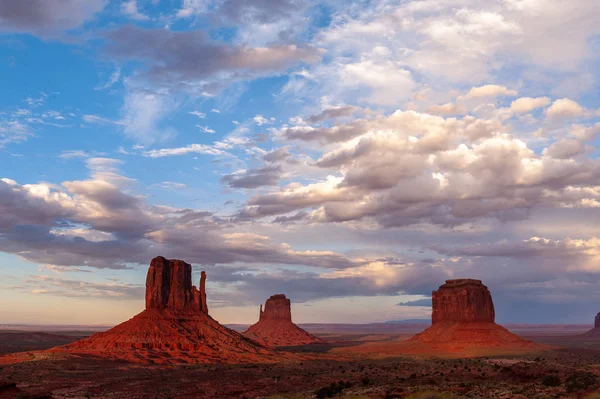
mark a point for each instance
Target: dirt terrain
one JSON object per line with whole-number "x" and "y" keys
{"x": 573, "y": 370}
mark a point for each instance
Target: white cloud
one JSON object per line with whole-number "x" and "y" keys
{"x": 192, "y": 7}
{"x": 564, "y": 108}
{"x": 527, "y": 104}
{"x": 13, "y": 132}
{"x": 489, "y": 91}
{"x": 129, "y": 8}
{"x": 261, "y": 120}
{"x": 199, "y": 114}
{"x": 73, "y": 154}
{"x": 190, "y": 149}
{"x": 447, "y": 109}
{"x": 205, "y": 129}
{"x": 143, "y": 113}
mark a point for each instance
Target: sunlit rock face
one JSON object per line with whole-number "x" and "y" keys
{"x": 169, "y": 286}
{"x": 175, "y": 326}
{"x": 277, "y": 307}
{"x": 462, "y": 300}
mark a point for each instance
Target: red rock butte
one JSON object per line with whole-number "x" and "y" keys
{"x": 174, "y": 328}
{"x": 275, "y": 326}
{"x": 594, "y": 332}
{"x": 463, "y": 324}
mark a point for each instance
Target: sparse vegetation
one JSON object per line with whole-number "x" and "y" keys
{"x": 433, "y": 395}
{"x": 551, "y": 381}
{"x": 580, "y": 381}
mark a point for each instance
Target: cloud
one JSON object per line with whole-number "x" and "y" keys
{"x": 489, "y": 91}
{"x": 370, "y": 163}
{"x": 129, "y": 8}
{"x": 564, "y": 108}
{"x": 565, "y": 148}
{"x": 254, "y": 178}
{"x": 199, "y": 114}
{"x": 526, "y": 104}
{"x": 174, "y": 57}
{"x": 205, "y": 129}
{"x": 190, "y": 149}
{"x": 73, "y": 154}
{"x": 114, "y": 78}
{"x": 100, "y": 120}
{"x": 46, "y": 285}
{"x": 13, "y": 131}
{"x": 447, "y": 109}
{"x": 261, "y": 120}
{"x": 333, "y": 113}
{"x": 418, "y": 302}
{"x": 277, "y": 155}
{"x": 143, "y": 112}
{"x": 46, "y": 18}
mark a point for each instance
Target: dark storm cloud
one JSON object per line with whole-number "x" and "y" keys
{"x": 180, "y": 59}
{"x": 252, "y": 178}
{"x": 46, "y": 17}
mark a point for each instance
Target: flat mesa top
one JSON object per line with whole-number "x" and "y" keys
{"x": 278, "y": 296}
{"x": 462, "y": 281}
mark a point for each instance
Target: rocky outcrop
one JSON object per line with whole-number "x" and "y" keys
{"x": 594, "y": 333}
{"x": 169, "y": 285}
{"x": 462, "y": 321}
{"x": 174, "y": 328}
{"x": 275, "y": 326}
{"x": 277, "y": 307}
{"x": 463, "y": 300}
{"x": 462, "y": 326}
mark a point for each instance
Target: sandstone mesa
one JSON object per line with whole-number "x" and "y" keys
{"x": 275, "y": 326}
{"x": 175, "y": 327}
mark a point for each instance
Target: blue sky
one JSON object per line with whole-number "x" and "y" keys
{"x": 352, "y": 155}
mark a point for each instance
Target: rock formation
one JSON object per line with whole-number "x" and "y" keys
{"x": 462, "y": 323}
{"x": 169, "y": 285}
{"x": 463, "y": 300}
{"x": 174, "y": 328}
{"x": 594, "y": 332}
{"x": 275, "y": 326}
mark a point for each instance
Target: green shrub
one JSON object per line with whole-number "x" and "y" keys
{"x": 551, "y": 381}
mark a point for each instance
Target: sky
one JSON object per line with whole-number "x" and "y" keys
{"x": 352, "y": 155}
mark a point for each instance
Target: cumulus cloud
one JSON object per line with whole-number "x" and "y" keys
{"x": 489, "y": 91}
{"x": 459, "y": 171}
{"x": 447, "y": 109}
{"x": 527, "y": 104}
{"x": 564, "y": 108}
{"x": 565, "y": 148}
